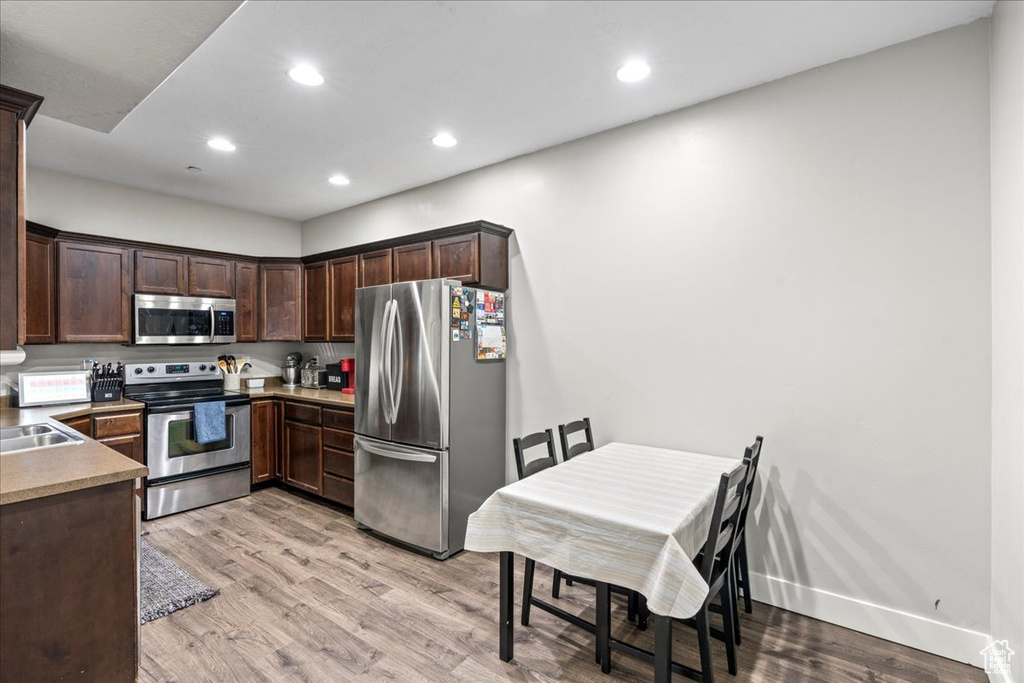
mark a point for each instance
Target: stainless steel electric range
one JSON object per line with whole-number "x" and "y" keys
{"x": 183, "y": 473}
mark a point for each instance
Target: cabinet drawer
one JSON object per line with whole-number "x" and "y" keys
{"x": 302, "y": 412}
{"x": 339, "y": 419}
{"x": 116, "y": 425}
{"x": 336, "y": 462}
{"x": 336, "y": 439}
{"x": 339, "y": 490}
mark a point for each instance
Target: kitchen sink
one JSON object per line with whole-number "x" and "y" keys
{"x": 31, "y": 437}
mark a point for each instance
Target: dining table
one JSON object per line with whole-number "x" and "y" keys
{"x": 623, "y": 515}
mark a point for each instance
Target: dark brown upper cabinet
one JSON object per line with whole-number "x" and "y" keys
{"x": 476, "y": 259}
{"x": 344, "y": 278}
{"x": 160, "y": 272}
{"x": 246, "y": 297}
{"x": 40, "y": 323}
{"x": 93, "y": 293}
{"x": 280, "y": 302}
{"x": 375, "y": 268}
{"x": 314, "y": 302}
{"x": 17, "y": 108}
{"x": 212, "y": 277}
{"x": 413, "y": 262}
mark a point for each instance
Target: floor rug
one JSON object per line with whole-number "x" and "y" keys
{"x": 164, "y": 586}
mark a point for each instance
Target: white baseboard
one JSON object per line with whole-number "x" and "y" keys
{"x": 952, "y": 642}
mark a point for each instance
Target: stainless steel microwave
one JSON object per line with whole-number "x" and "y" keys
{"x": 162, "y": 319}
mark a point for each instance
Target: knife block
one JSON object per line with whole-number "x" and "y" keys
{"x": 102, "y": 395}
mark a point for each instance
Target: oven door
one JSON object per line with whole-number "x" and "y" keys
{"x": 172, "y": 450}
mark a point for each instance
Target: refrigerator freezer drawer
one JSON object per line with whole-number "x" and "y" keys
{"x": 402, "y": 492}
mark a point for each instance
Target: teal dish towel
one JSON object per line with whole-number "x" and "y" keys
{"x": 211, "y": 425}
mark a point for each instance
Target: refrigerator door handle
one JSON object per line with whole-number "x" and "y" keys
{"x": 394, "y": 452}
{"x": 384, "y": 368}
{"x": 399, "y": 371}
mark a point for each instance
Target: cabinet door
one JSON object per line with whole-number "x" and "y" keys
{"x": 40, "y": 325}
{"x": 413, "y": 262}
{"x": 211, "y": 277}
{"x": 264, "y": 440}
{"x": 82, "y": 425}
{"x": 458, "y": 258}
{"x": 375, "y": 268}
{"x": 12, "y": 221}
{"x": 314, "y": 302}
{"x": 159, "y": 272}
{"x": 246, "y": 275}
{"x": 93, "y": 293}
{"x": 302, "y": 456}
{"x": 343, "y": 280}
{"x": 279, "y": 426}
{"x": 280, "y": 302}
{"x": 130, "y": 446}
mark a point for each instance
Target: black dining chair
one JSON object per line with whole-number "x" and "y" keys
{"x": 564, "y": 432}
{"x": 715, "y": 562}
{"x": 525, "y": 468}
{"x": 567, "y": 430}
{"x": 742, "y": 574}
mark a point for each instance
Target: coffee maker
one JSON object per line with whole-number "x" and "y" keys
{"x": 342, "y": 375}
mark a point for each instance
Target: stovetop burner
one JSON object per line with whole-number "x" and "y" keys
{"x": 163, "y": 384}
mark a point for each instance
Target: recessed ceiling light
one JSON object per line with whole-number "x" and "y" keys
{"x": 444, "y": 140}
{"x": 633, "y": 71}
{"x": 306, "y": 75}
{"x": 221, "y": 144}
{"x": 338, "y": 179}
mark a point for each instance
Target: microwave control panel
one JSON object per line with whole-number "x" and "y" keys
{"x": 224, "y": 323}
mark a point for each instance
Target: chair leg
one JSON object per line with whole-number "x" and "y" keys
{"x": 527, "y": 590}
{"x": 734, "y": 599}
{"x": 707, "y": 669}
{"x": 556, "y": 582}
{"x": 748, "y": 605}
{"x": 728, "y": 626}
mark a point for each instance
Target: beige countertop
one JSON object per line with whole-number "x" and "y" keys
{"x": 330, "y": 397}
{"x": 62, "y": 469}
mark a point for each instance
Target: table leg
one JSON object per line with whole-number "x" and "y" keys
{"x": 506, "y": 610}
{"x": 604, "y": 618}
{"x": 662, "y": 649}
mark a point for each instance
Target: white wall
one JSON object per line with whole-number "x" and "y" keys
{"x": 1008, "y": 328}
{"x": 808, "y": 260}
{"x": 77, "y": 204}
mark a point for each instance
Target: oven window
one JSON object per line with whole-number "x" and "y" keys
{"x": 173, "y": 322}
{"x": 181, "y": 439}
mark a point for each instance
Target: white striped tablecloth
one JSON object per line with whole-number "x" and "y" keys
{"x": 629, "y": 515}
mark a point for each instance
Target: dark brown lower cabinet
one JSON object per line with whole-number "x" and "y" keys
{"x": 68, "y": 600}
{"x": 128, "y": 446}
{"x": 302, "y": 456}
{"x": 265, "y": 419}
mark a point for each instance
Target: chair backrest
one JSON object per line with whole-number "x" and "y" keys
{"x": 567, "y": 430}
{"x": 724, "y": 520}
{"x": 521, "y": 445}
{"x": 753, "y": 456}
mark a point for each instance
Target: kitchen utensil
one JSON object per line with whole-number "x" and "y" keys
{"x": 223, "y": 365}
{"x": 291, "y": 375}
{"x": 244, "y": 367}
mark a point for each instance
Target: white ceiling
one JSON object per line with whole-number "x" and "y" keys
{"x": 95, "y": 61}
{"x": 506, "y": 78}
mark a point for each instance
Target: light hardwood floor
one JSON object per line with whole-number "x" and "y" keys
{"x": 305, "y": 596}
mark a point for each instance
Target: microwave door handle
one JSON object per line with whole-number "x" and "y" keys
{"x": 213, "y": 320}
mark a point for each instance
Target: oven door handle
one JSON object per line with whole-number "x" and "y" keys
{"x": 187, "y": 407}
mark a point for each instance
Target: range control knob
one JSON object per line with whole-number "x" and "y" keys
{"x": 150, "y": 369}
{"x": 138, "y": 371}
{"x": 202, "y": 368}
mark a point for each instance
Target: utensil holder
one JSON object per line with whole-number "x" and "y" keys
{"x": 232, "y": 382}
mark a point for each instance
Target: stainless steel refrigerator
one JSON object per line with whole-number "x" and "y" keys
{"x": 430, "y": 414}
